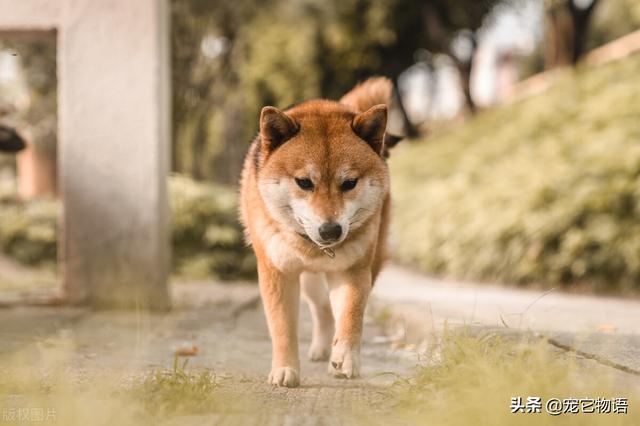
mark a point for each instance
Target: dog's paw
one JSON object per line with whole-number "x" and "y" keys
{"x": 284, "y": 376}
{"x": 319, "y": 351}
{"x": 344, "y": 362}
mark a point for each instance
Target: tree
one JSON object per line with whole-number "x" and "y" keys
{"x": 36, "y": 55}
{"x": 209, "y": 123}
{"x": 567, "y": 23}
{"x": 232, "y": 58}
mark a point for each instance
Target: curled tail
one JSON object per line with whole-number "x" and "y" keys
{"x": 371, "y": 92}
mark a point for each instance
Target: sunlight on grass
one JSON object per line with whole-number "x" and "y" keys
{"x": 470, "y": 379}
{"x": 541, "y": 191}
{"x": 463, "y": 379}
{"x": 167, "y": 392}
{"x": 73, "y": 396}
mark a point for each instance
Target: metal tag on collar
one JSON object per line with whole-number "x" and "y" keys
{"x": 329, "y": 252}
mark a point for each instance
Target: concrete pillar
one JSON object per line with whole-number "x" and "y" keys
{"x": 114, "y": 125}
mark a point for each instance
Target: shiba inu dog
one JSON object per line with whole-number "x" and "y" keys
{"x": 315, "y": 206}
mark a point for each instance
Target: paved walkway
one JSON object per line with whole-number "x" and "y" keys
{"x": 226, "y": 323}
{"x": 604, "y": 328}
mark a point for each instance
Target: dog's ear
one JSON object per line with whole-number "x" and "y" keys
{"x": 371, "y": 125}
{"x": 276, "y": 128}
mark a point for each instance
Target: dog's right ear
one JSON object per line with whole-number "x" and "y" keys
{"x": 276, "y": 128}
{"x": 371, "y": 125}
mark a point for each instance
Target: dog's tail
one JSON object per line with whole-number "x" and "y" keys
{"x": 371, "y": 92}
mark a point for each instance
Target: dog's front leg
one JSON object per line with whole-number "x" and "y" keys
{"x": 280, "y": 297}
{"x": 349, "y": 291}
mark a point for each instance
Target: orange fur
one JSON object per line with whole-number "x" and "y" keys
{"x": 326, "y": 143}
{"x": 374, "y": 91}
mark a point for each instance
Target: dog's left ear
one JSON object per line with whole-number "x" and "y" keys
{"x": 276, "y": 128}
{"x": 371, "y": 125}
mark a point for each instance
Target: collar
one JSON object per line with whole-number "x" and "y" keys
{"x": 326, "y": 250}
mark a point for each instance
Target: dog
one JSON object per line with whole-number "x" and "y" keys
{"x": 314, "y": 202}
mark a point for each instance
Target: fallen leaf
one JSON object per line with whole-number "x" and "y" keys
{"x": 187, "y": 350}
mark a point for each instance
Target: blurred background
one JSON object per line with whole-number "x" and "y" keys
{"x": 522, "y": 158}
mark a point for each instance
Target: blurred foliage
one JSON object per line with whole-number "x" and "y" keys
{"x": 613, "y": 19}
{"x": 28, "y": 230}
{"x": 37, "y": 61}
{"x": 468, "y": 378}
{"x": 230, "y": 59}
{"x": 543, "y": 191}
{"x": 567, "y": 25}
{"x": 609, "y": 20}
{"x": 207, "y": 238}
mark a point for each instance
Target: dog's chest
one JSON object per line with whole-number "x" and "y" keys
{"x": 287, "y": 256}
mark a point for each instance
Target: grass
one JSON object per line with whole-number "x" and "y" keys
{"x": 464, "y": 378}
{"x": 168, "y": 392}
{"x": 544, "y": 191}
{"x": 76, "y": 396}
{"x": 470, "y": 379}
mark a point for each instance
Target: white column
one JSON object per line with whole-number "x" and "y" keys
{"x": 114, "y": 130}
{"x": 114, "y": 127}
{"x": 29, "y": 15}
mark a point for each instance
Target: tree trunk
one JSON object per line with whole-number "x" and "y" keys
{"x": 465, "y": 83}
{"x": 566, "y": 32}
{"x": 558, "y": 37}
{"x": 409, "y": 129}
{"x": 581, "y": 19}
{"x": 228, "y": 163}
{"x": 465, "y": 67}
{"x": 197, "y": 149}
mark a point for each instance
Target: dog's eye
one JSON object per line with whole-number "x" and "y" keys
{"x": 305, "y": 184}
{"x": 348, "y": 185}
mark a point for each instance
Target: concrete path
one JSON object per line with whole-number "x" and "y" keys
{"x": 605, "y": 328}
{"x": 227, "y": 325}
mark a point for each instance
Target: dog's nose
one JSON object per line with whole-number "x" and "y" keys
{"x": 330, "y": 231}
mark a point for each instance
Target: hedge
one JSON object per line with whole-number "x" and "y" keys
{"x": 544, "y": 191}
{"x": 207, "y": 238}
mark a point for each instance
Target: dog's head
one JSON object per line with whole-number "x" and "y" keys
{"x": 322, "y": 170}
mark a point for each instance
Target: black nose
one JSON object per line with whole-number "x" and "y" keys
{"x": 330, "y": 231}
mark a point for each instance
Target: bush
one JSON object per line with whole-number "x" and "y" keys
{"x": 28, "y": 230}
{"x": 543, "y": 191}
{"x": 207, "y": 238}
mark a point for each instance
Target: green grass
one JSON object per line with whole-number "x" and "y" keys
{"x": 469, "y": 379}
{"x": 464, "y": 378}
{"x": 78, "y": 396}
{"x": 544, "y": 191}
